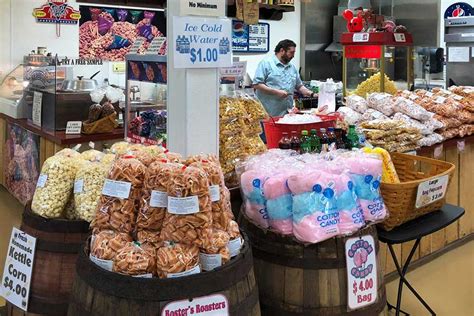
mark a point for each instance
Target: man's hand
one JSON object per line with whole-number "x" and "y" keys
{"x": 281, "y": 93}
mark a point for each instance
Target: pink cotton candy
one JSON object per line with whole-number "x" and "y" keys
{"x": 351, "y": 221}
{"x": 284, "y": 226}
{"x": 301, "y": 183}
{"x": 276, "y": 186}
{"x": 247, "y": 180}
{"x": 257, "y": 214}
{"x": 364, "y": 165}
{"x": 374, "y": 211}
{"x": 317, "y": 227}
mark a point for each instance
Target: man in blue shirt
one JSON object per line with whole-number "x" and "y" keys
{"x": 276, "y": 80}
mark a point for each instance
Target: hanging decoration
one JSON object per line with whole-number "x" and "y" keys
{"x": 58, "y": 12}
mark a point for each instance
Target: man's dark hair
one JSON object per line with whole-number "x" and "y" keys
{"x": 285, "y": 44}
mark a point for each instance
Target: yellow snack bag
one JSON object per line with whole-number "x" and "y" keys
{"x": 389, "y": 174}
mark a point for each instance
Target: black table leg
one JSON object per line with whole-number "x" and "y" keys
{"x": 402, "y": 272}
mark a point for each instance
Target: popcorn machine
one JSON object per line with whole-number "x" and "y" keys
{"x": 377, "y": 62}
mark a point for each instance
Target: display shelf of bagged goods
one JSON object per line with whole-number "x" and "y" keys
{"x": 447, "y": 143}
{"x": 60, "y": 137}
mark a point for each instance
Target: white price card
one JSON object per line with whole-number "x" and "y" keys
{"x": 431, "y": 191}
{"x": 238, "y": 69}
{"x": 183, "y": 206}
{"x": 215, "y": 192}
{"x": 195, "y": 270}
{"x": 104, "y": 264}
{"x": 16, "y": 280}
{"x": 37, "y": 107}
{"x": 234, "y": 246}
{"x": 202, "y": 42}
{"x": 42, "y": 180}
{"x": 399, "y": 37}
{"x": 458, "y": 54}
{"x": 118, "y": 189}
{"x": 210, "y": 261}
{"x": 78, "y": 186}
{"x": 212, "y": 305}
{"x": 158, "y": 199}
{"x": 361, "y": 271}
{"x": 73, "y": 127}
{"x": 360, "y": 37}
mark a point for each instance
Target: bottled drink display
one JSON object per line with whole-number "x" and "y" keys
{"x": 285, "y": 142}
{"x": 305, "y": 142}
{"x": 324, "y": 140}
{"x": 315, "y": 142}
{"x": 353, "y": 138}
{"x": 295, "y": 142}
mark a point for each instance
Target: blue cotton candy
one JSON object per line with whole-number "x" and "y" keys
{"x": 256, "y": 196}
{"x": 346, "y": 201}
{"x": 366, "y": 187}
{"x": 280, "y": 208}
{"x": 303, "y": 204}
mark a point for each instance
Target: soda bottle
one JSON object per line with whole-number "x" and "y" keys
{"x": 285, "y": 142}
{"x": 324, "y": 140}
{"x": 315, "y": 143}
{"x": 295, "y": 142}
{"x": 305, "y": 142}
{"x": 340, "y": 144}
{"x": 353, "y": 137}
{"x": 332, "y": 138}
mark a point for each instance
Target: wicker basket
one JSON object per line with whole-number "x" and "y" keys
{"x": 400, "y": 198}
{"x": 104, "y": 125}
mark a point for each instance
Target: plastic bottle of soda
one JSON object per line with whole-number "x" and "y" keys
{"x": 324, "y": 140}
{"x": 340, "y": 139}
{"x": 285, "y": 142}
{"x": 332, "y": 138}
{"x": 305, "y": 142}
{"x": 315, "y": 142}
{"x": 295, "y": 142}
{"x": 353, "y": 137}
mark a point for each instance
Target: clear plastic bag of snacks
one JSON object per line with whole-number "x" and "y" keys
{"x": 175, "y": 260}
{"x": 189, "y": 205}
{"x": 411, "y": 109}
{"x": 54, "y": 186}
{"x": 357, "y": 103}
{"x": 120, "y": 197}
{"x": 133, "y": 259}
{"x": 92, "y": 155}
{"x": 381, "y": 102}
{"x": 106, "y": 244}
{"x": 213, "y": 246}
{"x": 430, "y": 140}
{"x": 351, "y": 116}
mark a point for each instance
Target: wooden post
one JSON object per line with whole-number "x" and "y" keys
{"x": 466, "y": 196}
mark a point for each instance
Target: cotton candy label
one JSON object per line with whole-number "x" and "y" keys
{"x": 195, "y": 270}
{"x": 158, "y": 199}
{"x": 215, "y": 192}
{"x": 42, "y": 180}
{"x": 183, "y": 206}
{"x": 104, "y": 264}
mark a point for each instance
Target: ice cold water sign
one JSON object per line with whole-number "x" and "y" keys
{"x": 212, "y": 305}
{"x": 202, "y": 42}
{"x": 16, "y": 280}
{"x": 361, "y": 272}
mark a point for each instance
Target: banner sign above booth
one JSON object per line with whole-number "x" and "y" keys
{"x": 57, "y": 12}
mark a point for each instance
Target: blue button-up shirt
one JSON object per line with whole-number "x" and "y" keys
{"x": 273, "y": 73}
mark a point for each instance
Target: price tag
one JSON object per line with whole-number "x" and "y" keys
{"x": 202, "y": 42}
{"x": 238, "y": 69}
{"x": 438, "y": 151}
{"x": 440, "y": 100}
{"x": 431, "y": 191}
{"x": 215, "y": 192}
{"x": 42, "y": 180}
{"x": 212, "y": 305}
{"x": 360, "y": 37}
{"x": 458, "y": 97}
{"x": 73, "y": 127}
{"x": 413, "y": 97}
{"x": 79, "y": 186}
{"x": 104, "y": 264}
{"x": 136, "y": 45}
{"x": 461, "y": 144}
{"x": 195, "y": 270}
{"x": 16, "y": 279}
{"x": 429, "y": 94}
{"x": 155, "y": 46}
{"x": 158, "y": 199}
{"x": 118, "y": 189}
{"x": 399, "y": 37}
{"x": 234, "y": 246}
{"x": 37, "y": 102}
{"x": 361, "y": 272}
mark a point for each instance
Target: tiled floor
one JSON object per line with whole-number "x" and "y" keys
{"x": 447, "y": 283}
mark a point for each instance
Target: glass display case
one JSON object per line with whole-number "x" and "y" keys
{"x": 369, "y": 57}
{"x": 11, "y": 94}
{"x": 145, "y": 107}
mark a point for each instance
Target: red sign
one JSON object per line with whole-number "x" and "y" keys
{"x": 363, "y": 51}
{"x": 57, "y": 12}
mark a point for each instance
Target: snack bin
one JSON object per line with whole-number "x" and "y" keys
{"x": 384, "y": 54}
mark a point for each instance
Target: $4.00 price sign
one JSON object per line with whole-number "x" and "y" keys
{"x": 16, "y": 280}
{"x": 361, "y": 272}
{"x": 202, "y": 42}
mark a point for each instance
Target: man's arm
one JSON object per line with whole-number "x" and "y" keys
{"x": 266, "y": 89}
{"x": 301, "y": 88}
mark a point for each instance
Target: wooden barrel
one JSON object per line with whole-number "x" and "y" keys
{"x": 294, "y": 279}
{"x": 100, "y": 292}
{"x": 58, "y": 243}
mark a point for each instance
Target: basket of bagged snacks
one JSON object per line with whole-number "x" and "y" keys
{"x": 418, "y": 186}
{"x": 103, "y": 125}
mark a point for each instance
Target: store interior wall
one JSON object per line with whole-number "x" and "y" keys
{"x": 5, "y": 33}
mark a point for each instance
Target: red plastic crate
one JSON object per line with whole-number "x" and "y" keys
{"x": 274, "y": 131}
